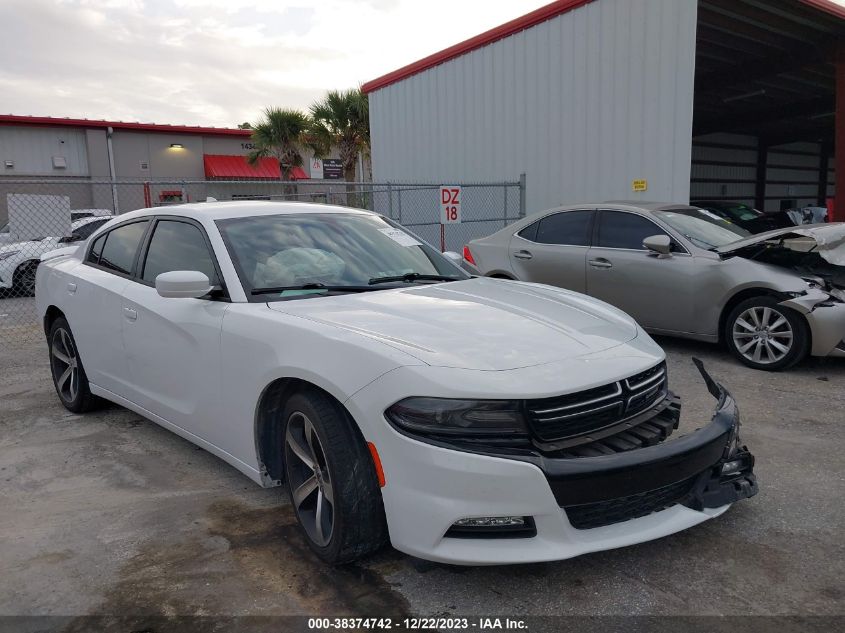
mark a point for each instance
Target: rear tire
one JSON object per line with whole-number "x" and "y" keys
{"x": 69, "y": 377}
{"x": 765, "y": 335}
{"x": 331, "y": 480}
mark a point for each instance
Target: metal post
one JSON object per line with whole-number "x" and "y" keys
{"x": 839, "y": 135}
{"x": 112, "y": 173}
{"x": 824, "y": 159}
{"x": 184, "y": 193}
{"x": 389, "y": 201}
{"x": 522, "y": 195}
{"x": 505, "y": 209}
{"x": 399, "y": 203}
{"x": 760, "y": 177}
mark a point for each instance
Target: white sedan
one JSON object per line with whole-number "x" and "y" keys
{"x": 19, "y": 260}
{"x": 467, "y": 420}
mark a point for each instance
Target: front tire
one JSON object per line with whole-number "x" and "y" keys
{"x": 765, "y": 335}
{"x": 23, "y": 280}
{"x": 69, "y": 377}
{"x": 331, "y": 480}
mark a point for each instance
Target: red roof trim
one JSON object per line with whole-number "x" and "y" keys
{"x": 828, "y": 6}
{"x": 488, "y": 37}
{"x": 14, "y": 119}
{"x": 520, "y": 24}
{"x": 234, "y": 166}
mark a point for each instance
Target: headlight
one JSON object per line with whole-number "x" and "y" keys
{"x": 467, "y": 418}
{"x": 8, "y": 254}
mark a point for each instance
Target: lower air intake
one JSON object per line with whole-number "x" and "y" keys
{"x": 601, "y": 513}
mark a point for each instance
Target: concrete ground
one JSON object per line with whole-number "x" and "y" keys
{"x": 109, "y": 514}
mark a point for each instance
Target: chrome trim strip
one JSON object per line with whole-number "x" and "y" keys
{"x": 650, "y": 399}
{"x": 617, "y": 403}
{"x": 655, "y": 378}
{"x": 584, "y": 403}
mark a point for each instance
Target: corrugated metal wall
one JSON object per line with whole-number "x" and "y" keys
{"x": 724, "y": 167}
{"x": 32, "y": 150}
{"x": 583, "y": 104}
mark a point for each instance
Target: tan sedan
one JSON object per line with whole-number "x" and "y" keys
{"x": 773, "y": 298}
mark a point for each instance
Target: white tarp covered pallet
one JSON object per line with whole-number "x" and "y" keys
{"x": 34, "y": 216}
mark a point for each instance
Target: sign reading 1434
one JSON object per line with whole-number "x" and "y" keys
{"x": 450, "y": 205}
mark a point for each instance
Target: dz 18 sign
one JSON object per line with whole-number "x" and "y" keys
{"x": 450, "y": 205}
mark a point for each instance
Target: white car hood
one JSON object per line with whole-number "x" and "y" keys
{"x": 482, "y": 324}
{"x": 829, "y": 237}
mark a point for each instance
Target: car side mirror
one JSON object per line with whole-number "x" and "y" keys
{"x": 660, "y": 244}
{"x": 454, "y": 257}
{"x": 70, "y": 238}
{"x": 183, "y": 284}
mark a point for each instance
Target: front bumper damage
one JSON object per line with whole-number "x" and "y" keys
{"x": 709, "y": 468}
{"x": 573, "y": 505}
{"x": 824, "y": 311}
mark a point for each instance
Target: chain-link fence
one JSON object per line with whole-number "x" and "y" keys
{"x": 39, "y": 216}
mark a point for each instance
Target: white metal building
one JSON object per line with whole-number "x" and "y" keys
{"x": 629, "y": 99}
{"x": 75, "y": 157}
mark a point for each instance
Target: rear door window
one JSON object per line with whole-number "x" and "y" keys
{"x": 529, "y": 232}
{"x": 96, "y": 249}
{"x": 570, "y": 228}
{"x": 121, "y": 247}
{"x": 618, "y": 229}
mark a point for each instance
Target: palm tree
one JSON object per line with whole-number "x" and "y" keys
{"x": 342, "y": 120}
{"x": 279, "y": 135}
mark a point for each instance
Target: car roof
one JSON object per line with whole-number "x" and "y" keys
{"x": 643, "y": 206}
{"x": 241, "y": 209}
{"x": 88, "y": 220}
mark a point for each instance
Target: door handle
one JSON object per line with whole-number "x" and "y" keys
{"x": 601, "y": 262}
{"x": 130, "y": 314}
{"x": 71, "y": 287}
{"x": 523, "y": 255}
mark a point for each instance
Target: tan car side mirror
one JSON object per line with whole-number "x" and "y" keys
{"x": 660, "y": 244}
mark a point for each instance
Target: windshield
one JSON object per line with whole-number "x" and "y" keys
{"x": 742, "y": 212}
{"x": 703, "y": 228}
{"x": 278, "y": 255}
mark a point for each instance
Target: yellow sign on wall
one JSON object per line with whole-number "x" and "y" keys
{"x": 639, "y": 185}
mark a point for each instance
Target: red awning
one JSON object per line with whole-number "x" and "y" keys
{"x": 297, "y": 173}
{"x": 223, "y": 167}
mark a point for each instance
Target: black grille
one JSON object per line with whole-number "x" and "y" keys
{"x": 579, "y": 414}
{"x": 593, "y": 515}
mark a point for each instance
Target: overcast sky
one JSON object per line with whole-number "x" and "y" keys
{"x": 216, "y": 62}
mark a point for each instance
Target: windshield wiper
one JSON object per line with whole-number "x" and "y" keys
{"x": 410, "y": 277}
{"x": 314, "y": 285}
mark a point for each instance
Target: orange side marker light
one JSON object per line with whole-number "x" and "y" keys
{"x": 377, "y": 464}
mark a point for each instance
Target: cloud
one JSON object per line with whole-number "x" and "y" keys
{"x": 215, "y": 62}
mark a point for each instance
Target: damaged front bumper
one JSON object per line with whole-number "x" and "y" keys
{"x": 825, "y": 314}
{"x": 708, "y": 468}
{"x": 569, "y": 505}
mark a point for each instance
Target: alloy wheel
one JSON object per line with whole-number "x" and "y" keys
{"x": 312, "y": 492}
{"x": 27, "y": 279}
{"x": 762, "y": 335}
{"x": 65, "y": 365}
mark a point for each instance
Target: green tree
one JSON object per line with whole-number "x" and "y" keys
{"x": 246, "y": 125}
{"x": 279, "y": 135}
{"x": 342, "y": 119}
